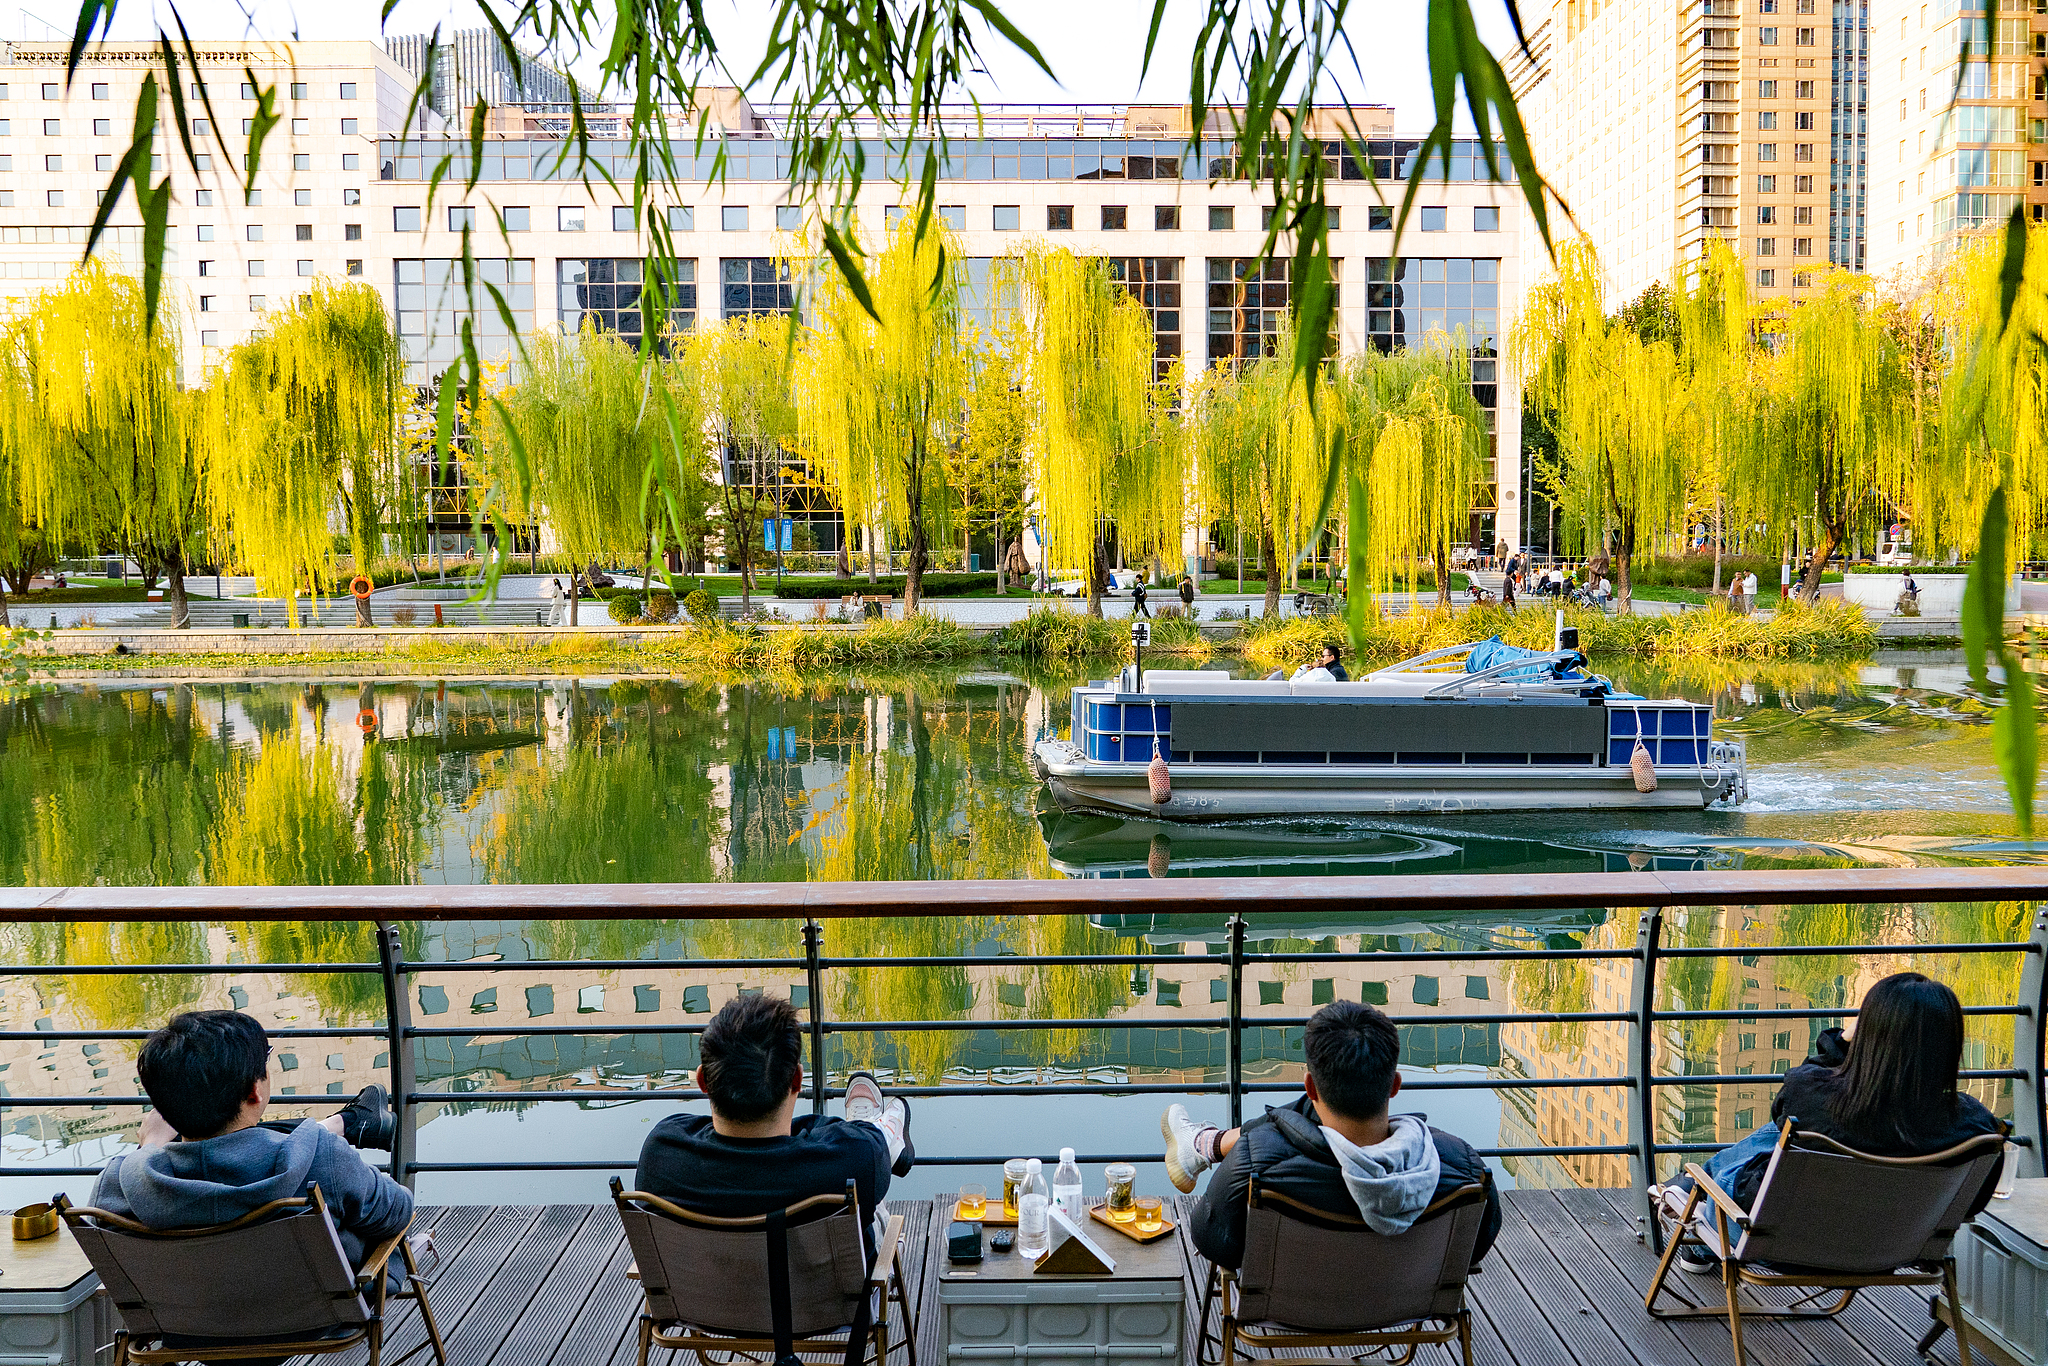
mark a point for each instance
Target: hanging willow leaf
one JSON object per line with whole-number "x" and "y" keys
{"x": 2015, "y": 741}
{"x": 1984, "y": 594}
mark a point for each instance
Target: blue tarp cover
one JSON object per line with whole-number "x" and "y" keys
{"x": 1493, "y": 650}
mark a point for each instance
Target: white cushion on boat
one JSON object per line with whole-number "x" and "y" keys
{"x": 1217, "y": 685}
{"x": 1360, "y": 688}
{"x": 1171, "y": 680}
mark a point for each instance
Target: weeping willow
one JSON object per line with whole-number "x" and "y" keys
{"x": 1835, "y": 419}
{"x": 1619, "y": 406}
{"x": 1265, "y": 455}
{"x": 1718, "y": 350}
{"x": 1421, "y": 439}
{"x": 880, "y": 399}
{"x": 310, "y": 408}
{"x": 1108, "y": 448}
{"x": 742, "y": 370}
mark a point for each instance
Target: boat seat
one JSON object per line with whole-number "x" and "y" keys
{"x": 1385, "y": 687}
{"x": 1173, "y": 680}
{"x": 1218, "y": 685}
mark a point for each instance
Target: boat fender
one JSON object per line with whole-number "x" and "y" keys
{"x": 1159, "y": 855}
{"x": 1159, "y": 778}
{"x": 1639, "y": 762}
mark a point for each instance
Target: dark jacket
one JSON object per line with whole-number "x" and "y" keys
{"x": 1808, "y": 1095}
{"x": 1286, "y": 1150}
{"x": 686, "y": 1161}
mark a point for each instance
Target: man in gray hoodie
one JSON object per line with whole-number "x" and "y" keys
{"x": 207, "y": 1157}
{"x": 1335, "y": 1147}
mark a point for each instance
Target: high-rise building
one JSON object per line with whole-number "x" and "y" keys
{"x": 1953, "y": 154}
{"x": 471, "y": 65}
{"x": 1665, "y": 124}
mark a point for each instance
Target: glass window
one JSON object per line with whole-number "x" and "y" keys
{"x": 302, "y": 232}
{"x": 302, "y": 198}
{"x": 1766, "y": 279}
{"x": 52, "y": 128}
{"x": 305, "y": 267}
{"x": 53, "y": 90}
{"x": 301, "y": 161}
{"x": 205, "y": 231}
{"x": 613, "y": 294}
{"x": 298, "y": 90}
{"x": 348, "y": 90}
{"x": 254, "y": 232}
{"x": 1766, "y": 184}
{"x": 351, "y": 161}
{"x": 1114, "y": 217}
{"x": 54, "y": 198}
{"x": 753, "y": 285}
{"x": 248, "y": 91}
{"x": 255, "y": 268}
{"x": 1486, "y": 218}
{"x": 1767, "y": 151}
{"x": 348, "y": 128}
{"x": 406, "y": 219}
{"x": 1008, "y": 218}
{"x": 100, "y": 91}
{"x": 352, "y": 232}
{"x": 209, "y": 338}
{"x": 53, "y": 162}
{"x": 104, "y": 128}
{"x": 206, "y": 302}
{"x": 1222, "y": 218}
{"x": 354, "y": 268}
{"x": 1166, "y": 217}
{"x": 682, "y": 218}
{"x": 1435, "y": 219}
{"x": 433, "y": 302}
{"x": 733, "y": 218}
{"x": 1155, "y": 282}
{"x": 1379, "y": 218}
{"x": 622, "y": 218}
{"x": 569, "y": 218}
{"x": 461, "y": 217}
{"x": 1767, "y": 37}
{"x": 1247, "y": 305}
{"x": 954, "y": 216}
{"x": 1059, "y": 217}
{"x": 516, "y": 218}
{"x": 789, "y": 217}
{"x": 302, "y": 127}
{"x": 351, "y": 197}
{"x": 1767, "y": 90}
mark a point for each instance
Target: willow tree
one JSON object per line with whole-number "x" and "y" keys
{"x": 570, "y": 442}
{"x": 1108, "y": 449}
{"x": 880, "y": 396}
{"x": 310, "y": 407}
{"x": 1712, "y": 324}
{"x": 1618, "y": 405}
{"x": 1834, "y": 424}
{"x": 986, "y": 466}
{"x": 110, "y": 449}
{"x": 1264, "y": 453}
{"x": 742, "y": 372}
{"x": 1416, "y": 450}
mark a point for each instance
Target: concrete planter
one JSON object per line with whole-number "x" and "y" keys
{"x": 1941, "y": 594}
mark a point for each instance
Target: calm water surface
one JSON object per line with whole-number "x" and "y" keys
{"x": 917, "y": 776}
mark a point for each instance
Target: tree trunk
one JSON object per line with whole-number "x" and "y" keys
{"x": 845, "y": 565}
{"x": 997, "y": 542}
{"x": 1271, "y": 558}
{"x": 913, "y": 568}
{"x": 6, "y": 622}
{"x": 1830, "y": 538}
{"x": 174, "y": 589}
{"x": 1443, "y": 578}
{"x": 1720, "y": 534}
{"x": 1098, "y": 567}
{"x": 575, "y": 575}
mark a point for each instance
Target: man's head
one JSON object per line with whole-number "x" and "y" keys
{"x": 203, "y": 1067}
{"x": 1352, "y": 1050}
{"x": 753, "y": 1057}
{"x": 1329, "y": 656}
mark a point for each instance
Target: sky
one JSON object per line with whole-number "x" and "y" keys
{"x": 1095, "y": 47}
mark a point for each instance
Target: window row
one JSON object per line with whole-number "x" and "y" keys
{"x": 1768, "y": 246}
{"x": 1768, "y": 37}
{"x": 203, "y": 128}
{"x": 1768, "y": 279}
{"x": 1003, "y": 218}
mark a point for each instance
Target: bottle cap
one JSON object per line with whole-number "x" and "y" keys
{"x": 1032, "y": 1166}
{"x": 1066, "y": 1154}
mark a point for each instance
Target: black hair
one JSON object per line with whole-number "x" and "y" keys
{"x": 1332, "y": 651}
{"x": 199, "y": 1068}
{"x": 1352, "y": 1050}
{"x": 752, "y": 1051}
{"x": 1900, "y": 1076}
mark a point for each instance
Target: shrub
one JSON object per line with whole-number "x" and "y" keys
{"x": 624, "y": 607}
{"x": 935, "y": 586}
{"x": 1175, "y": 633}
{"x": 404, "y": 616}
{"x": 1050, "y": 633}
{"x": 702, "y": 605}
{"x": 661, "y": 606}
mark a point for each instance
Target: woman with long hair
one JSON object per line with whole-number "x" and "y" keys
{"x": 1890, "y": 1091}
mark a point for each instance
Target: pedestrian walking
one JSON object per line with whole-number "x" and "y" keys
{"x": 555, "y": 596}
{"x": 1784, "y": 580}
{"x": 1507, "y": 586}
{"x": 1749, "y": 594}
{"x": 1138, "y": 607}
{"x": 1187, "y": 592}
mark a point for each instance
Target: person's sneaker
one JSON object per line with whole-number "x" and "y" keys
{"x": 865, "y": 1101}
{"x": 368, "y": 1121}
{"x": 1700, "y": 1262}
{"x": 1183, "y": 1163}
{"x": 906, "y": 1159}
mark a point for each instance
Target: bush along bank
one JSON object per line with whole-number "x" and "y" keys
{"x": 1825, "y": 630}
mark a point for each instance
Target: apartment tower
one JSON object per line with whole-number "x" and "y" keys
{"x": 1665, "y": 125}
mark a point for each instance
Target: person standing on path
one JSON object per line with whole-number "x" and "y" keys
{"x": 1507, "y": 585}
{"x": 1138, "y": 607}
{"x": 1187, "y": 593}
{"x": 554, "y": 602}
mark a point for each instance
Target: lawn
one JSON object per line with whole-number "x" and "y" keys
{"x": 93, "y": 590}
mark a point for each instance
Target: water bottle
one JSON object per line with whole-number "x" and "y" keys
{"x": 1066, "y": 1189}
{"x": 1032, "y": 1202}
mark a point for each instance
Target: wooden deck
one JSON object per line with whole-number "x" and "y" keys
{"x": 546, "y": 1286}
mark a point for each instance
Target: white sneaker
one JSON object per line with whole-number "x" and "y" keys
{"x": 864, "y": 1098}
{"x": 1183, "y": 1163}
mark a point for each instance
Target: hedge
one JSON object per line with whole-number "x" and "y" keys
{"x": 935, "y": 586}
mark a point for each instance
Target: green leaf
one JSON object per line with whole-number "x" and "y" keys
{"x": 1356, "y": 570}
{"x": 849, "y": 271}
{"x": 2012, "y": 267}
{"x": 1983, "y": 620}
{"x": 2016, "y": 742}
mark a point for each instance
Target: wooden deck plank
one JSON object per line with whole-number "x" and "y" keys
{"x": 564, "y": 1293}
{"x": 1618, "y": 1301}
{"x": 1523, "y": 1253}
{"x": 610, "y": 1317}
{"x": 463, "y": 1276}
{"x": 511, "y": 1289}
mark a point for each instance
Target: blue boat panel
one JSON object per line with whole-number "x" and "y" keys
{"x": 1138, "y": 745}
{"x": 1618, "y": 751}
{"x": 1105, "y": 716}
{"x": 1683, "y": 752}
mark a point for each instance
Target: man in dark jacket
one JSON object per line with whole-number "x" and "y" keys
{"x": 1335, "y": 1149}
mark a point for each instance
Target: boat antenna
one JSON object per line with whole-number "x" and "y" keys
{"x": 1557, "y": 631}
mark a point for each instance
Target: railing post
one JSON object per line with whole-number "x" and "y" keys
{"x": 2029, "y": 1031}
{"x": 814, "y": 975}
{"x": 1642, "y": 1058}
{"x": 1235, "y": 1051}
{"x": 398, "y": 1041}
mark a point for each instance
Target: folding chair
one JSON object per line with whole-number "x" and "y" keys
{"x": 1828, "y": 1218}
{"x": 790, "y": 1281}
{"x": 1315, "y": 1279}
{"x": 273, "y": 1283}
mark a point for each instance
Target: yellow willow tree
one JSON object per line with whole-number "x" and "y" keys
{"x": 571, "y": 441}
{"x": 1618, "y": 405}
{"x": 1717, "y": 349}
{"x": 111, "y": 450}
{"x": 1834, "y": 422}
{"x": 986, "y": 467}
{"x": 1265, "y": 455}
{"x": 1416, "y": 449}
{"x": 1108, "y": 449}
{"x": 741, "y": 370}
{"x": 310, "y": 407}
{"x": 881, "y": 398}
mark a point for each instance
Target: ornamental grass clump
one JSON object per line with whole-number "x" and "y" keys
{"x": 1049, "y": 633}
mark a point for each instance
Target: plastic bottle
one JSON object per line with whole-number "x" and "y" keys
{"x": 1033, "y": 1199}
{"x": 1066, "y": 1189}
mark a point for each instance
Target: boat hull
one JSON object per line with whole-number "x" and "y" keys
{"x": 1213, "y": 792}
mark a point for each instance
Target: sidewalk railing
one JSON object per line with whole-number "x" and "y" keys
{"x": 815, "y": 907}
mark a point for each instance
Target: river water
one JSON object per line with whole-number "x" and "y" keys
{"x": 920, "y": 776}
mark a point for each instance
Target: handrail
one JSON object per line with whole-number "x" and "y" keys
{"x": 813, "y": 906}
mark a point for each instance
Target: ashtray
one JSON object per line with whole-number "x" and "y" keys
{"x": 34, "y": 1221}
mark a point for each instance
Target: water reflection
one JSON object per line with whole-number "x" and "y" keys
{"x": 922, "y": 776}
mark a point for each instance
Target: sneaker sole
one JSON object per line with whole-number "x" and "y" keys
{"x": 1175, "y": 1173}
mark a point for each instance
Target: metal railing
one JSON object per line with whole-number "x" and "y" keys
{"x": 815, "y": 906}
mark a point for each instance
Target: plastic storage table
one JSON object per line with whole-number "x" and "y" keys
{"x": 51, "y": 1310}
{"x": 1001, "y": 1310}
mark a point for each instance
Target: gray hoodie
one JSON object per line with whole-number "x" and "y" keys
{"x": 1392, "y": 1182}
{"x": 215, "y": 1180}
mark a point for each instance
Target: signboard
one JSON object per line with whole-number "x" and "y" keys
{"x": 787, "y": 539}
{"x": 1141, "y": 633}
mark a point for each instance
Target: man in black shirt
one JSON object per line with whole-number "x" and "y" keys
{"x": 753, "y": 1153}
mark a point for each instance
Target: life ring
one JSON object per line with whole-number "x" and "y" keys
{"x": 366, "y": 719}
{"x": 360, "y": 587}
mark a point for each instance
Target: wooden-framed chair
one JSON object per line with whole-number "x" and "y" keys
{"x": 709, "y": 1288}
{"x": 274, "y": 1283}
{"x": 1828, "y": 1218}
{"x": 1315, "y": 1279}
